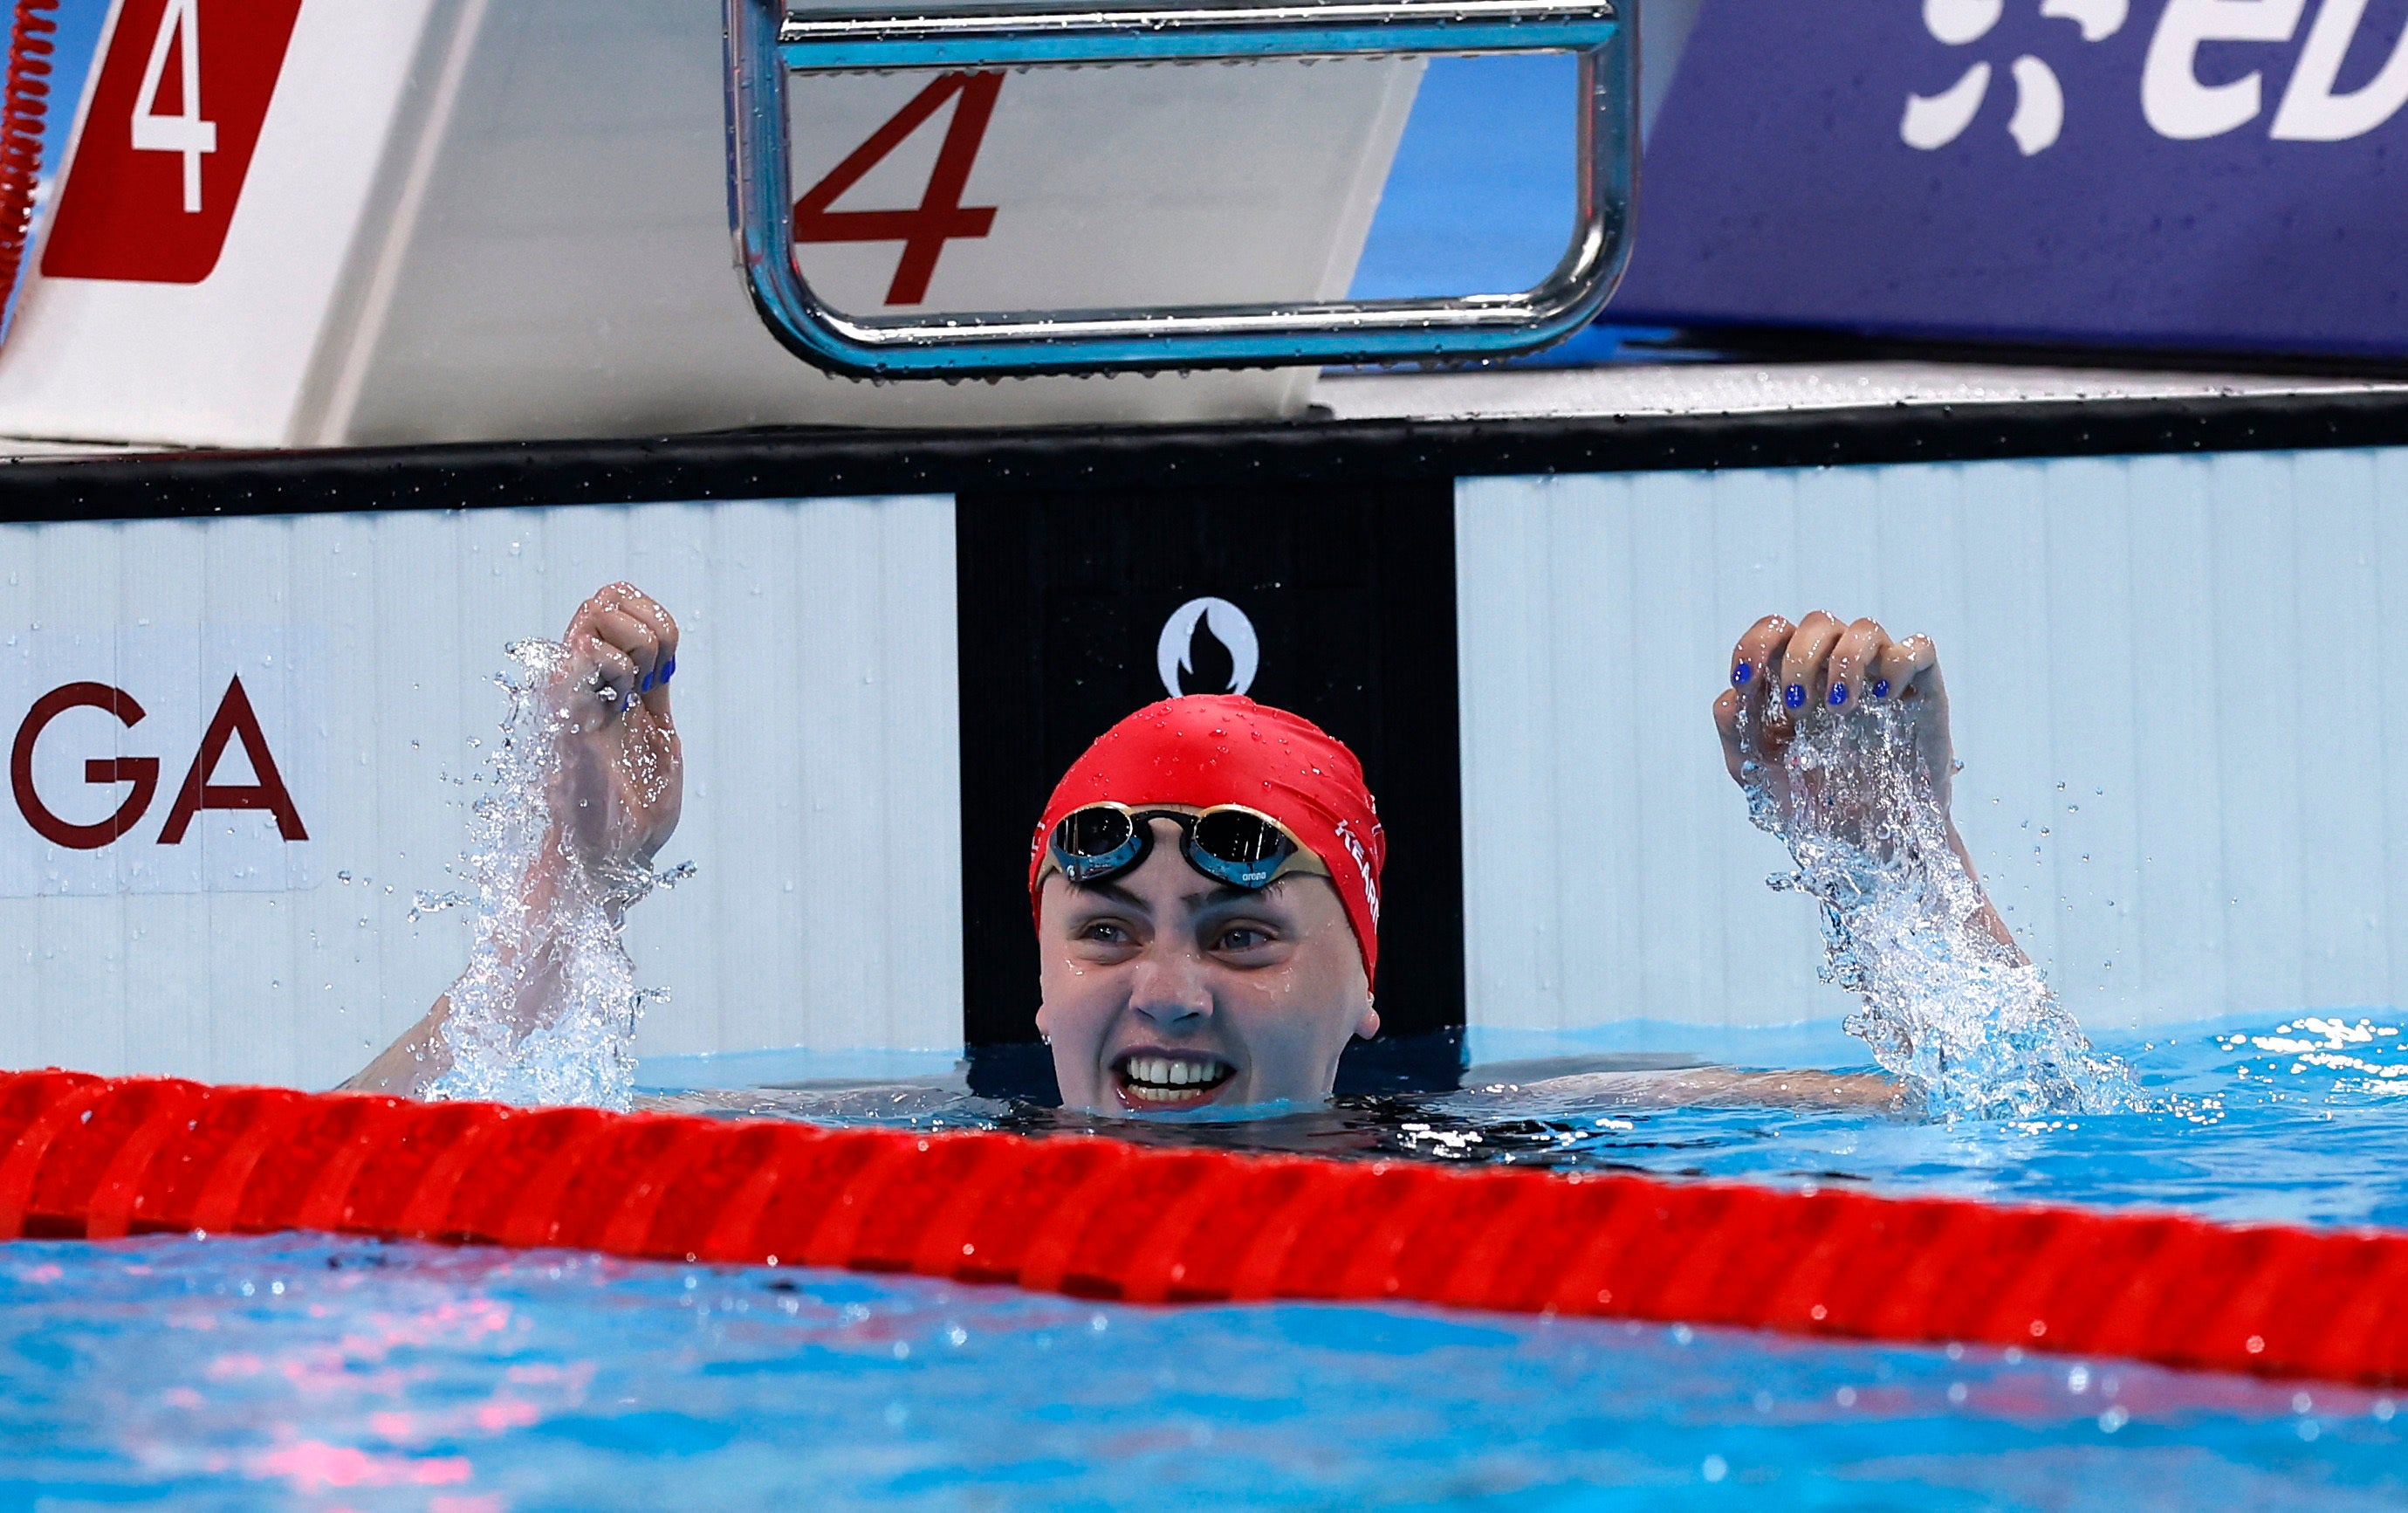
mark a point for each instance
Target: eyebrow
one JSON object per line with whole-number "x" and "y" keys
{"x": 1113, "y": 892}
{"x": 1228, "y": 894}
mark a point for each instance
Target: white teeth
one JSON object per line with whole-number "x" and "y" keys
{"x": 1161, "y": 1078}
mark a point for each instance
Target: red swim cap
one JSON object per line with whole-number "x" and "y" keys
{"x": 1208, "y": 749}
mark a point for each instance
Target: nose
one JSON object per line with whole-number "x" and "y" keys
{"x": 1169, "y": 990}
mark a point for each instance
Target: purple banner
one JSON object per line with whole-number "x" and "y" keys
{"x": 2213, "y": 174}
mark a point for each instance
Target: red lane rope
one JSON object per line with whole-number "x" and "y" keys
{"x": 1096, "y": 1218}
{"x": 24, "y": 103}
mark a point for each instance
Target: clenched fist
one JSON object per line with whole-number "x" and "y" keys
{"x": 1822, "y": 673}
{"x": 1879, "y": 700}
{"x": 621, "y": 779}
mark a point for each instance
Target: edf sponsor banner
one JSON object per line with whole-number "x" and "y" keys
{"x": 163, "y": 760}
{"x": 2213, "y": 174}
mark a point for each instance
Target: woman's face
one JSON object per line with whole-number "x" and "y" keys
{"x": 1166, "y": 990}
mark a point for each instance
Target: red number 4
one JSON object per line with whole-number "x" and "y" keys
{"x": 941, "y": 216}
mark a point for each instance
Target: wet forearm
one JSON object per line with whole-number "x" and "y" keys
{"x": 410, "y": 1065}
{"x": 1715, "y": 1084}
{"x": 528, "y": 968}
{"x": 1991, "y": 919}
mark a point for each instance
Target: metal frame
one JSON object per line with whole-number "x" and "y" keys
{"x": 766, "y": 43}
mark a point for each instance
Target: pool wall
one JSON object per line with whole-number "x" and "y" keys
{"x": 815, "y": 698}
{"x": 2181, "y": 775}
{"x": 2173, "y": 693}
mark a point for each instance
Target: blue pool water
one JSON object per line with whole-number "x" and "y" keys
{"x": 296, "y": 1373}
{"x": 303, "y": 1373}
{"x": 2301, "y": 1120}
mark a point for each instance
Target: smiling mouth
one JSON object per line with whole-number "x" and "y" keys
{"x": 1165, "y": 1080}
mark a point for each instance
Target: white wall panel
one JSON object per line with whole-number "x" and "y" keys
{"x": 2174, "y": 698}
{"x": 815, "y": 691}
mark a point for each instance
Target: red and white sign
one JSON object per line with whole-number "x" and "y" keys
{"x": 161, "y": 760}
{"x": 167, "y": 143}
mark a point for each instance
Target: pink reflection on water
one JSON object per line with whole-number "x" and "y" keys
{"x": 314, "y": 1465}
{"x": 506, "y": 1413}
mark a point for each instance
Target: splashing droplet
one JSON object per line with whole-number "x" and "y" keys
{"x": 1946, "y": 1008}
{"x": 546, "y": 1012}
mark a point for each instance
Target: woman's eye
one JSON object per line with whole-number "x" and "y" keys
{"x": 1242, "y": 938}
{"x": 1105, "y": 932}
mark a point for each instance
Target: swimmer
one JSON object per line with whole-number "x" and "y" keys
{"x": 1205, "y": 881}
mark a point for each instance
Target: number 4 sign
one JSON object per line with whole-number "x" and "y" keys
{"x": 184, "y": 133}
{"x": 941, "y": 216}
{"x": 167, "y": 139}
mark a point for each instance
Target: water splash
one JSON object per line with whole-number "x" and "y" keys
{"x": 1967, "y": 1027}
{"x": 547, "y": 1010}
{"x": 427, "y": 901}
{"x": 2332, "y": 1044}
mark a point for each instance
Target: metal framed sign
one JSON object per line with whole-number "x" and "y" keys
{"x": 766, "y": 43}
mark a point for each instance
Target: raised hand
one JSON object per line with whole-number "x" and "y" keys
{"x": 613, "y": 803}
{"x": 1873, "y": 711}
{"x": 1848, "y": 681}
{"x": 621, "y": 779}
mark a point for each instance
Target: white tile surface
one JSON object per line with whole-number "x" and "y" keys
{"x": 817, "y": 699}
{"x": 2194, "y": 648}
{"x": 1731, "y": 388}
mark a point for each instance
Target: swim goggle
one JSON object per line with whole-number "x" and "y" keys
{"x": 1227, "y": 843}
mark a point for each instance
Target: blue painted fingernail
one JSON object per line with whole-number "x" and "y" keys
{"x": 1793, "y": 696}
{"x": 645, "y": 686}
{"x": 1740, "y": 674}
{"x": 668, "y": 669}
{"x": 1881, "y": 687}
{"x": 1839, "y": 694}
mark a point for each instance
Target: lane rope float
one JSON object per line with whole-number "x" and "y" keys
{"x": 90, "y": 1157}
{"x": 24, "y": 105}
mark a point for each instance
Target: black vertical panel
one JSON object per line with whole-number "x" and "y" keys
{"x": 1350, "y": 590}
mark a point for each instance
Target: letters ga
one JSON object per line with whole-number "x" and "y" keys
{"x": 234, "y": 721}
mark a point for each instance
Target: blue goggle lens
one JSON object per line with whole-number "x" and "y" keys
{"x": 1228, "y": 845}
{"x": 1237, "y": 848}
{"x": 1096, "y": 843}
